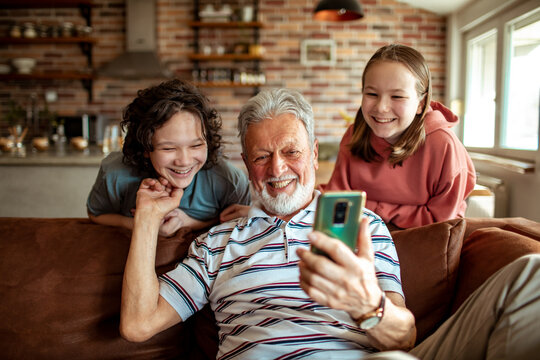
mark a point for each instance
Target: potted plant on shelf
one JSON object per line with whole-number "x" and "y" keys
{"x": 15, "y": 118}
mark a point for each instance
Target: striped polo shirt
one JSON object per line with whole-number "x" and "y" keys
{"x": 248, "y": 270}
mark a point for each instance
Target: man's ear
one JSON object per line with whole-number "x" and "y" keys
{"x": 316, "y": 154}
{"x": 244, "y": 158}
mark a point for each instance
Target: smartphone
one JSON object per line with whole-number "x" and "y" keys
{"x": 338, "y": 215}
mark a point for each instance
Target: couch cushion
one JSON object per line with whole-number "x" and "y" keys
{"x": 429, "y": 258}
{"x": 61, "y": 284}
{"x": 489, "y": 249}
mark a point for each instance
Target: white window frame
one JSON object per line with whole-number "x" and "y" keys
{"x": 500, "y": 22}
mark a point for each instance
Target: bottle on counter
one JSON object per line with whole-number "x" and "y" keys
{"x": 60, "y": 140}
{"x": 112, "y": 139}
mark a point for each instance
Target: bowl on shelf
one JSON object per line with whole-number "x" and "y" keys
{"x": 24, "y": 65}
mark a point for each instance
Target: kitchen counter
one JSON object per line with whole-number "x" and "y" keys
{"x": 91, "y": 156}
{"x": 49, "y": 183}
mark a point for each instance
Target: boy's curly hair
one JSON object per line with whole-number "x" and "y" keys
{"x": 153, "y": 107}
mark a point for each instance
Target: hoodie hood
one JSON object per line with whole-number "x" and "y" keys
{"x": 439, "y": 117}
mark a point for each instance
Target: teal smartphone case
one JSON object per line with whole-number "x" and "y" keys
{"x": 338, "y": 215}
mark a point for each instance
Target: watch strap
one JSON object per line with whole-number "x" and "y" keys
{"x": 372, "y": 318}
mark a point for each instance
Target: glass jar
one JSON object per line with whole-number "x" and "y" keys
{"x": 83, "y": 30}
{"x": 67, "y": 29}
{"x": 43, "y": 30}
{"x": 55, "y": 31}
{"x": 29, "y": 30}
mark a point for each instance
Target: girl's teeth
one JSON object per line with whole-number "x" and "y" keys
{"x": 383, "y": 120}
{"x": 181, "y": 172}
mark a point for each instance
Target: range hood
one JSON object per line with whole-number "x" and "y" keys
{"x": 140, "y": 59}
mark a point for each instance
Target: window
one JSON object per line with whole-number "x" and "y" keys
{"x": 481, "y": 71}
{"x": 502, "y": 86}
{"x": 520, "y": 126}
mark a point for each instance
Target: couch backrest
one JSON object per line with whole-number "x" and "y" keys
{"x": 60, "y": 295}
{"x": 429, "y": 258}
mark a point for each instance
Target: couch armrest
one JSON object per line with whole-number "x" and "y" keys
{"x": 488, "y": 249}
{"x": 515, "y": 224}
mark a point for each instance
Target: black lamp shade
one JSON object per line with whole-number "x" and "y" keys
{"x": 338, "y": 10}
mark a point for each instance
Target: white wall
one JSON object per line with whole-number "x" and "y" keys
{"x": 524, "y": 188}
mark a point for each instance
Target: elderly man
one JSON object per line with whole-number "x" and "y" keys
{"x": 248, "y": 269}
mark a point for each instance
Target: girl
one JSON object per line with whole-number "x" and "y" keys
{"x": 172, "y": 134}
{"x": 400, "y": 149}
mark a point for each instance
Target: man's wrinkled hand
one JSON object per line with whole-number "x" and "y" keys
{"x": 348, "y": 281}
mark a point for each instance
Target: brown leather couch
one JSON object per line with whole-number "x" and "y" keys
{"x": 60, "y": 283}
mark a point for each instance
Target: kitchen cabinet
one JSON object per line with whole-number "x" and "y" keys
{"x": 227, "y": 65}
{"x": 46, "y": 191}
{"x": 48, "y": 184}
{"x": 86, "y": 43}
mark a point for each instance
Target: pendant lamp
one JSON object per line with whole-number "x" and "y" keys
{"x": 338, "y": 10}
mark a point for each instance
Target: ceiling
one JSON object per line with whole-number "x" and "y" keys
{"x": 441, "y": 7}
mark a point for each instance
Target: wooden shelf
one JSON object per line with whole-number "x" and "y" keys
{"x": 48, "y": 76}
{"x": 86, "y": 79}
{"x": 225, "y": 57}
{"x": 197, "y": 57}
{"x": 17, "y": 4}
{"x": 226, "y": 24}
{"x": 86, "y": 43}
{"x": 48, "y": 40}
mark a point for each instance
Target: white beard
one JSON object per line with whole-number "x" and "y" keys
{"x": 284, "y": 204}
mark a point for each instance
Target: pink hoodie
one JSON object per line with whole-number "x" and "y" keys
{"x": 431, "y": 186}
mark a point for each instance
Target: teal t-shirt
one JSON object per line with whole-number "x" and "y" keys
{"x": 211, "y": 191}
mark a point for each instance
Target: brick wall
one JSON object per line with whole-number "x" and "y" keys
{"x": 328, "y": 88}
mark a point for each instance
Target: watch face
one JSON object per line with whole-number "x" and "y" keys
{"x": 374, "y": 317}
{"x": 370, "y": 322}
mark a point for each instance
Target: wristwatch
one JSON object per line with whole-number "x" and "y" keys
{"x": 372, "y": 318}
